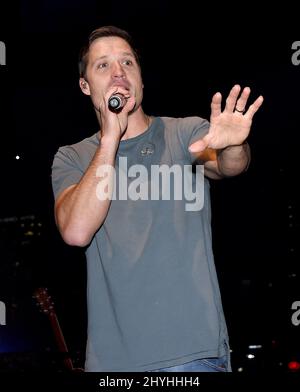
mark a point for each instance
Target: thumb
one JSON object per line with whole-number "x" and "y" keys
{"x": 199, "y": 145}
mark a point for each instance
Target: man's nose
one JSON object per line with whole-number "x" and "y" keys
{"x": 118, "y": 71}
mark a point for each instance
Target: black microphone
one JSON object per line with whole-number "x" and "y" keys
{"x": 116, "y": 102}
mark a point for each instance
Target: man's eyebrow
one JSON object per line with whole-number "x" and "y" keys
{"x": 128, "y": 54}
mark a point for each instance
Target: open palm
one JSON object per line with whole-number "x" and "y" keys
{"x": 232, "y": 126}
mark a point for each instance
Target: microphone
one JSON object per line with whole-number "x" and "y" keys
{"x": 116, "y": 102}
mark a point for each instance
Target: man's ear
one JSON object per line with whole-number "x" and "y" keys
{"x": 84, "y": 86}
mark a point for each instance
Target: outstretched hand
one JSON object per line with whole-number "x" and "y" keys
{"x": 232, "y": 126}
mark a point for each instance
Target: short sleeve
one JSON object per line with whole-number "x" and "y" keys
{"x": 191, "y": 130}
{"x": 200, "y": 129}
{"x": 66, "y": 170}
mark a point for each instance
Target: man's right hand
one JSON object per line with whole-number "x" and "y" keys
{"x": 115, "y": 124}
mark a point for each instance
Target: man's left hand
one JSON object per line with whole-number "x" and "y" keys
{"x": 232, "y": 126}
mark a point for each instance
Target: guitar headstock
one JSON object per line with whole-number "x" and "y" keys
{"x": 44, "y": 300}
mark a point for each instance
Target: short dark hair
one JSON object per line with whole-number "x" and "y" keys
{"x": 104, "y": 31}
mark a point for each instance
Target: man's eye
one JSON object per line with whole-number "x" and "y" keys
{"x": 127, "y": 62}
{"x": 102, "y": 65}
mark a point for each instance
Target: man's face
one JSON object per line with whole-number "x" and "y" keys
{"x": 112, "y": 64}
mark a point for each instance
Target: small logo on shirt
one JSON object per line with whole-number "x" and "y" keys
{"x": 147, "y": 149}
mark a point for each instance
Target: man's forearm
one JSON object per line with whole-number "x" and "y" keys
{"x": 81, "y": 212}
{"x": 233, "y": 160}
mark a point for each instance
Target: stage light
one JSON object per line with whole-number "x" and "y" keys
{"x": 294, "y": 366}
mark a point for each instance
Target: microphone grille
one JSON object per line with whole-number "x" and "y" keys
{"x": 115, "y": 102}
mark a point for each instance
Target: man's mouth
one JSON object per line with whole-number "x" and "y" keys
{"x": 121, "y": 84}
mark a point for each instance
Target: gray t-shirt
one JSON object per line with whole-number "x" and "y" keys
{"x": 153, "y": 296}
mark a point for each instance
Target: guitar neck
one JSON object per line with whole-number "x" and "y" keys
{"x": 46, "y": 305}
{"x": 60, "y": 340}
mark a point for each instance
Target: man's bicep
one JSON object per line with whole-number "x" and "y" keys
{"x": 66, "y": 170}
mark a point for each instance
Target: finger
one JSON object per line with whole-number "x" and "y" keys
{"x": 216, "y": 105}
{"x": 130, "y": 103}
{"x": 199, "y": 145}
{"x": 254, "y": 107}
{"x": 120, "y": 90}
{"x": 232, "y": 98}
{"x": 242, "y": 101}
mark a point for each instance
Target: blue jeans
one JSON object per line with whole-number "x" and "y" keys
{"x": 200, "y": 365}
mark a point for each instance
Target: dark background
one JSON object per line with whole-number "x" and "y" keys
{"x": 188, "y": 52}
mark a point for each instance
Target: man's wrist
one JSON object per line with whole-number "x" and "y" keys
{"x": 234, "y": 147}
{"x": 234, "y": 159}
{"x": 109, "y": 142}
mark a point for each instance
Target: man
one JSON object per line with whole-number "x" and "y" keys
{"x": 153, "y": 296}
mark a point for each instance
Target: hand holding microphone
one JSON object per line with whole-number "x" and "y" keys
{"x": 115, "y": 109}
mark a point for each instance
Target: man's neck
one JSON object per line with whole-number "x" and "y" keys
{"x": 138, "y": 123}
